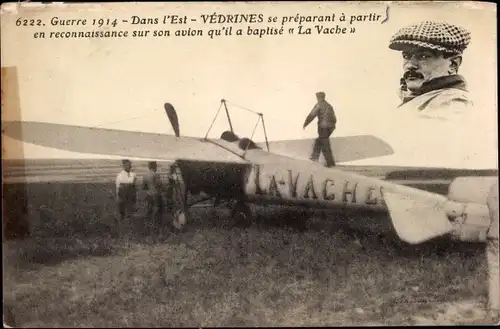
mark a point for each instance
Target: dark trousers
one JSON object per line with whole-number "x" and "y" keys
{"x": 322, "y": 144}
{"x": 155, "y": 208}
{"x": 127, "y": 198}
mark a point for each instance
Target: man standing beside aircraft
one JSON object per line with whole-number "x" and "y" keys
{"x": 432, "y": 54}
{"x": 327, "y": 122}
{"x": 154, "y": 188}
{"x": 126, "y": 192}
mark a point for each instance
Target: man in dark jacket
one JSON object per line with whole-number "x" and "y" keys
{"x": 327, "y": 122}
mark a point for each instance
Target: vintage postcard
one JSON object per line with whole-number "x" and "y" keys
{"x": 172, "y": 164}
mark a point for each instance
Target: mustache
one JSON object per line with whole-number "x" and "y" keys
{"x": 412, "y": 74}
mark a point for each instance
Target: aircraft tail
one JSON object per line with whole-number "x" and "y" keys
{"x": 417, "y": 220}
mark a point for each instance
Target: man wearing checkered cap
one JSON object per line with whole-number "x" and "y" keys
{"x": 432, "y": 55}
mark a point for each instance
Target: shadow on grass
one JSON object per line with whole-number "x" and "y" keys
{"x": 34, "y": 252}
{"x": 281, "y": 271}
{"x": 272, "y": 276}
{"x": 372, "y": 232}
{"x": 56, "y": 239}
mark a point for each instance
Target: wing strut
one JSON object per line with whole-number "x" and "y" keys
{"x": 223, "y": 101}
{"x": 260, "y": 119}
{"x": 213, "y": 121}
{"x": 260, "y": 115}
{"x": 265, "y": 133}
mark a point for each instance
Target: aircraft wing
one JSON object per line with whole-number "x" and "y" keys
{"x": 345, "y": 149}
{"x": 117, "y": 142}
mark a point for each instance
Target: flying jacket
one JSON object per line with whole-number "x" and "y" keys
{"x": 434, "y": 126}
{"x": 325, "y": 113}
{"x": 440, "y": 97}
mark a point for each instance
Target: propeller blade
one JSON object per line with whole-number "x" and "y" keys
{"x": 172, "y": 116}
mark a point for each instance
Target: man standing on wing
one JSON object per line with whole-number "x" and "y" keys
{"x": 327, "y": 122}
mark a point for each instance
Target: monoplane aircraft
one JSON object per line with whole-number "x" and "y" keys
{"x": 241, "y": 171}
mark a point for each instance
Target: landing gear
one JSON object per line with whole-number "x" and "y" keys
{"x": 179, "y": 219}
{"x": 179, "y": 206}
{"x": 177, "y": 197}
{"x": 242, "y": 214}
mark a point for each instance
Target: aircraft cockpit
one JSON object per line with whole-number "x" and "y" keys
{"x": 243, "y": 143}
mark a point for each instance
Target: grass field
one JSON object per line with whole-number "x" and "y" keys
{"x": 73, "y": 272}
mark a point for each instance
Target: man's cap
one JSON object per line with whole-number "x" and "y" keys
{"x": 320, "y": 94}
{"x": 439, "y": 36}
{"x": 124, "y": 161}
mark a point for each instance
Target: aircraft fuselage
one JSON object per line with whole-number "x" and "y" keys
{"x": 281, "y": 179}
{"x": 268, "y": 178}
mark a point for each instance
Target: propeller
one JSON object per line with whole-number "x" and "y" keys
{"x": 172, "y": 116}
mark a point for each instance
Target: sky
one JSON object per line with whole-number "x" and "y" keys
{"x": 123, "y": 83}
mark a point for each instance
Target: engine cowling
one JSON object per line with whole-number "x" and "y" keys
{"x": 467, "y": 207}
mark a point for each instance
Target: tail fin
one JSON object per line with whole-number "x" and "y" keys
{"x": 417, "y": 220}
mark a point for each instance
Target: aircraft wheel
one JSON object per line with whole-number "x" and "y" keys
{"x": 179, "y": 219}
{"x": 178, "y": 198}
{"x": 242, "y": 214}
